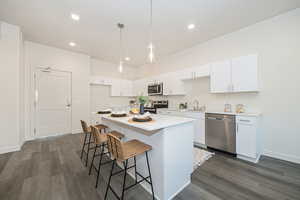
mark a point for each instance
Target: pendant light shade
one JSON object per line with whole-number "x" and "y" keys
{"x": 151, "y": 56}
{"x": 121, "y": 26}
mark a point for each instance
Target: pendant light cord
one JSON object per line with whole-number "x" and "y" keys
{"x": 151, "y": 21}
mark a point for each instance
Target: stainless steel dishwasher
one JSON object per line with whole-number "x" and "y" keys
{"x": 220, "y": 132}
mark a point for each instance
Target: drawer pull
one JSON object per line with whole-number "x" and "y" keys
{"x": 244, "y": 120}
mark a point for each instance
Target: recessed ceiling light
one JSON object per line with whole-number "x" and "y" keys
{"x": 191, "y": 26}
{"x": 127, "y": 58}
{"x": 75, "y": 17}
{"x": 72, "y": 44}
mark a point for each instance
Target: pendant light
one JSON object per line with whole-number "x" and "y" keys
{"x": 121, "y": 26}
{"x": 151, "y": 46}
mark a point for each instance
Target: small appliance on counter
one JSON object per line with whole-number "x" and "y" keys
{"x": 155, "y": 105}
{"x": 183, "y": 106}
{"x": 227, "y": 107}
{"x": 240, "y": 108}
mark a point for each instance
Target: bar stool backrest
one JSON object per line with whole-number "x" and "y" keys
{"x": 98, "y": 137}
{"x": 84, "y": 126}
{"x": 115, "y": 146}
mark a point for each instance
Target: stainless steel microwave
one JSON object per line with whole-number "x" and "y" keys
{"x": 155, "y": 89}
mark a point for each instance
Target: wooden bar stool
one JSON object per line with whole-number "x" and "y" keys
{"x": 122, "y": 152}
{"x": 87, "y": 138}
{"x": 100, "y": 140}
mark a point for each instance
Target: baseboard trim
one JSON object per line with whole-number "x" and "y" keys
{"x": 10, "y": 149}
{"x": 282, "y": 156}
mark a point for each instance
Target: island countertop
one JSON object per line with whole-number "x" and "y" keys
{"x": 159, "y": 121}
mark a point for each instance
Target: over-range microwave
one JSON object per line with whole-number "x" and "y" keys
{"x": 155, "y": 89}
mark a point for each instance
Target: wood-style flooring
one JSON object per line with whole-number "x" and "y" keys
{"x": 51, "y": 169}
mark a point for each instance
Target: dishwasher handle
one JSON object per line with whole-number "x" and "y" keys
{"x": 215, "y": 118}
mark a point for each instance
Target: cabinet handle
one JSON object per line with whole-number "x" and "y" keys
{"x": 237, "y": 128}
{"x": 244, "y": 120}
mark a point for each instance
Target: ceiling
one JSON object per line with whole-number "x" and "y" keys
{"x": 96, "y": 34}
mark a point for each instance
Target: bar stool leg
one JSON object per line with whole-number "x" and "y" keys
{"x": 99, "y": 166}
{"x": 150, "y": 175}
{"x": 88, "y": 150}
{"x": 93, "y": 160}
{"x": 124, "y": 181}
{"x": 135, "y": 174}
{"x": 108, "y": 184}
{"x": 84, "y": 143}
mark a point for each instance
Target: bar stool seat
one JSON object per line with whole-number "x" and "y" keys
{"x": 102, "y": 138}
{"x": 134, "y": 148}
{"x": 99, "y": 126}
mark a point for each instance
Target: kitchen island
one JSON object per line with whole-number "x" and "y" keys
{"x": 171, "y": 157}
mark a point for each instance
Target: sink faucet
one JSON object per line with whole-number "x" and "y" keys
{"x": 196, "y": 104}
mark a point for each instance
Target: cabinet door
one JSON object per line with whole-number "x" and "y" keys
{"x": 246, "y": 138}
{"x": 172, "y": 85}
{"x": 187, "y": 74}
{"x": 220, "y": 80}
{"x": 245, "y": 74}
{"x": 126, "y": 88}
{"x": 115, "y": 88}
{"x": 201, "y": 71}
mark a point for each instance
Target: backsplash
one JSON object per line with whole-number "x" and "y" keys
{"x": 199, "y": 90}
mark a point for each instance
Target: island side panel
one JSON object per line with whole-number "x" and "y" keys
{"x": 178, "y": 158}
{"x": 156, "y": 159}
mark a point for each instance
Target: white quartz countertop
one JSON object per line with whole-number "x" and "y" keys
{"x": 160, "y": 121}
{"x": 249, "y": 114}
{"x": 234, "y": 113}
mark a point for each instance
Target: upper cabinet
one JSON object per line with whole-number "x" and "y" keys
{"x": 172, "y": 85}
{"x": 121, "y": 88}
{"x": 236, "y": 75}
{"x": 195, "y": 72}
{"x": 220, "y": 77}
{"x": 99, "y": 80}
{"x": 245, "y": 74}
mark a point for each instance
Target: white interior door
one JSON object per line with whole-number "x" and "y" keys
{"x": 53, "y": 103}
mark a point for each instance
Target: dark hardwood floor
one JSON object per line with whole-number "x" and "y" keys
{"x": 51, "y": 169}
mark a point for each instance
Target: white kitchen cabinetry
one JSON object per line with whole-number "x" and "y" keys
{"x": 199, "y": 123}
{"x": 98, "y": 80}
{"x": 220, "y": 77}
{"x": 236, "y": 75}
{"x": 121, "y": 88}
{"x": 195, "y": 72}
{"x": 172, "y": 85}
{"x": 247, "y": 142}
{"x": 244, "y": 74}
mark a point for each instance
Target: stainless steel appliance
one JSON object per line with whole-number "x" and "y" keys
{"x": 220, "y": 132}
{"x": 155, "y": 89}
{"x": 155, "y": 105}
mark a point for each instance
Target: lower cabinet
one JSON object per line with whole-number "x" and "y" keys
{"x": 247, "y": 142}
{"x": 199, "y": 123}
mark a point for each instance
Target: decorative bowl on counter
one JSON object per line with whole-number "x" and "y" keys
{"x": 118, "y": 114}
{"x": 146, "y": 119}
{"x": 107, "y": 111}
{"x": 142, "y": 118}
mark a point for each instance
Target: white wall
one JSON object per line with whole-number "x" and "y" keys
{"x": 10, "y": 65}
{"x": 37, "y": 55}
{"x": 277, "y": 42}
